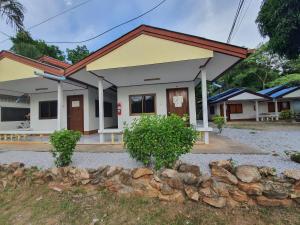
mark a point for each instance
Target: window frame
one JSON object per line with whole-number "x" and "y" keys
{"x": 237, "y": 106}
{"x": 48, "y": 118}
{"x": 142, "y": 95}
{"x": 212, "y": 110}
{"x": 2, "y": 119}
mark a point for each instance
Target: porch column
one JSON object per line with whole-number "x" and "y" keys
{"x": 224, "y": 111}
{"x": 204, "y": 105}
{"x": 276, "y": 110}
{"x": 101, "y": 109}
{"x": 256, "y": 111}
{"x": 60, "y": 97}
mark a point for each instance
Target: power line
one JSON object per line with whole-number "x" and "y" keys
{"x": 241, "y": 2}
{"x": 5, "y": 34}
{"x": 51, "y": 17}
{"x": 110, "y": 29}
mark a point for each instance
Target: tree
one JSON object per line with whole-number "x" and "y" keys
{"x": 77, "y": 54}
{"x": 290, "y": 80}
{"x": 280, "y": 21}
{"x": 13, "y": 12}
{"x": 24, "y": 44}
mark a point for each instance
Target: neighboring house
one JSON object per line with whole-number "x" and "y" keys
{"x": 146, "y": 71}
{"x": 237, "y": 104}
{"x": 243, "y": 104}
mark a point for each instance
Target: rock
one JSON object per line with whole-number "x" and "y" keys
{"x": 295, "y": 194}
{"x": 166, "y": 189}
{"x": 187, "y": 168}
{"x": 192, "y": 193}
{"x": 275, "y": 190}
{"x": 59, "y": 187}
{"x": 220, "y": 188}
{"x": 264, "y": 201}
{"x": 231, "y": 203}
{"x": 248, "y": 174}
{"x": 169, "y": 173}
{"x": 207, "y": 192}
{"x": 177, "y": 164}
{"x": 177, "y": 196}
{"x": 16, "y": 165}
{"x": 188, "y": 178}
{"x": 223, "y": 175}
{"x": 125, "y": 177}
{"x": 226, "y": 164}
{"x": 266, "y": 171}
{"x": 218, "y": 202}
{"x": 155, "y": 184}
{"x": 19, "y": 172}
{"x": 82, "y": 174}
{"x": 175, "y": 183}
{"x": 251, "y": 188}
{"x": 292, "y": 173}
{"x": 204, "y": 181}
{"x": 112, "y": 171}
{"x": 139, "y": 172}
{"x": 239, "y": 196}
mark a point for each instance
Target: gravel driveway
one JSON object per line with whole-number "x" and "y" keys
{"x": 94, "y": 160}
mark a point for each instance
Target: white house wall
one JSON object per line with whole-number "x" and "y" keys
{"x": 161, "y": 99}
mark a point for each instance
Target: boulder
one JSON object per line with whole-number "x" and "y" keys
{"x": 238, "y": 195}
{"x": 155, "y": 184}
{"x": 188, "y": 168}
{"x": 207, "y": 192}
{"x": 220, "y": 188}
{"x": 170, "y": 173}
{"x": 266, "y": 171}
{"x": 175, "y": 183}
{"x": 188, "y": 178}
{"x": 177, "y": 196}
{"x": 19, "y": 172}
{"x": 218, "y": 202}
{"x": 112, "y": 171}
{"x": 292, "y": 174}
{"x": 59, "y": 187}
{"x": 226, "y": 164}
{"x": 223, "y": 175}
{"x": 140, "y": 172}
{"x": 264, "y": 201}
{"x": 251, "y": 188}
{"x": 16, "y": 165}
{"x": 125, "y": 177}
{"x": 82, "y": 174}
{"x": 248, "y": 174}
{"x": 166, "y": 189}
{"x": 192, "y": 193}
{"x": 275, "y": 190}
{"x": 231, "y": 203}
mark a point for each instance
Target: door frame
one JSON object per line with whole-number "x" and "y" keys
{"x": 187, "y": 95}
{"x": 68, "y": 111}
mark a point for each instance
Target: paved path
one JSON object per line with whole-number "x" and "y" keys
{"x": 94, "y": 160}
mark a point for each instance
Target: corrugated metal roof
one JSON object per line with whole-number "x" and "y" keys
{"x": 224, "y": 95}
{"x": 283, "y": 92}
{"x": 271, "y": 90}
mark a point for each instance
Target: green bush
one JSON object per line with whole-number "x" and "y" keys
{"x": 219, "y": 121}
{"x": 286, "y": 115}
{"x": 159, "y": 140}
{"x": 295, "y": 157}
{"x": 64, "y": 143}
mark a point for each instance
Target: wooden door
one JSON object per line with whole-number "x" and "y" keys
{"x": 178, "y": 101}
{"x": 75, "y": 112}
{"x": 227, "y": 111}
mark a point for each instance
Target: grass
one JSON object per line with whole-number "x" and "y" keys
{"x": 39, "y": 205}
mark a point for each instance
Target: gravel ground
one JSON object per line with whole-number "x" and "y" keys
{"x": 268, "y": 141}
{"x": 94, "y": 160}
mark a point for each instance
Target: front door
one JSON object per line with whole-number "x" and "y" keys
{"x": 178, "y": 101}
{"x": 75, "y": 112}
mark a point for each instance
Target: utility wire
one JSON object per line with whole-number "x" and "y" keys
{"x": 50, "y": 18}
{"x": 241, "y": 2}
{"x": 5, "y": 34}
{"x": 110, "y": 29}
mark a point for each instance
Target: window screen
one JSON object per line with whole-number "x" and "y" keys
{"x": 48, "y": 110}
{"x": 13, "y": 114}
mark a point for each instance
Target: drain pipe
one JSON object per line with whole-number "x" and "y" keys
{"x": 50, "y": 76}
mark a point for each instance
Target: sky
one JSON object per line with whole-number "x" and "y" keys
{"x": 210, "y": 19}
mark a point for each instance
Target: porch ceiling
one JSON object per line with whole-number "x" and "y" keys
{"x": 32, "y": 86}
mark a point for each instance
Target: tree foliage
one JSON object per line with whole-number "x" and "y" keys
{"x": 290, "y": 80}
{"x": 24, "y": 44}
{"x": 280, "y": 21}
{"x": 77, "y": 54}
{"x": 13, "y": 12}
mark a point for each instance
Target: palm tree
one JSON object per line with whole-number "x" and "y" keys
{"x": 13, "y": 12}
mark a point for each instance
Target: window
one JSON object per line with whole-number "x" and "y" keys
{"x": 142, "y": 104}
{"x": 48, "y": 110}
{"x": 9, "y": 114}
{"x": 236, "y": 108}
{"x": 281, "y": 106}
{"x": 212, "y": 110}
{"x": 107, "y": 109}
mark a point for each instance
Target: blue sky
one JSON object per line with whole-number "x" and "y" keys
{"x": 206, "y": 18}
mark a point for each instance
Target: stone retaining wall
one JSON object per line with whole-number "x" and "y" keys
{"x": 227, "y": 186}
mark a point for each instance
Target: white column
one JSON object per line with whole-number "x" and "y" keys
{"x": 60, "y": 97}
{"x": 204, "y": 105}
{"x": 101, "y": 109}
{"x": 256, "y": 111}
{"x": 276, "y": 110}
{"x": 224, "y": 111}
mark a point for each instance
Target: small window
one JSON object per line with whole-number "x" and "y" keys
{"x": 48, "y": 110}
{"x": 107, "y": 109}
{"x": 212, "y": 110}
{"x": 9, "y": 114}
{"x": 236, "y": 108}
{"x": 142, "y": 104}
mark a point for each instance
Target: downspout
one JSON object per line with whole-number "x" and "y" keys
{"x": 50, "y": 76}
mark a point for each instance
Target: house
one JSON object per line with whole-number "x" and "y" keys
{"x": 237, "y": 104}
{"x": 243, "y": 104}
{"x": 146, "y": 71}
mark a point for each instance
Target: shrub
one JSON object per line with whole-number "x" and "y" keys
{"x": 64, "y": 143}
{"x": 286, "y": 115}
{"x": 220, "y": 122}
{"x": 159, "y": 140}
{"x": 295, "y": 157}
